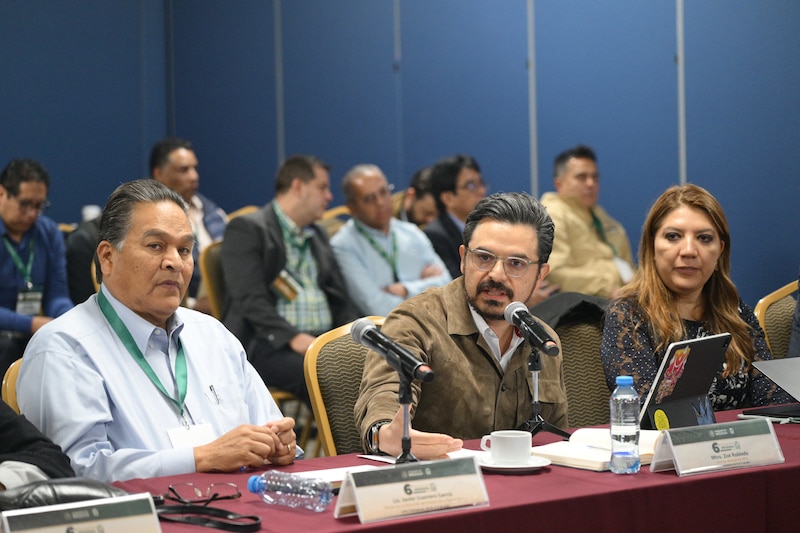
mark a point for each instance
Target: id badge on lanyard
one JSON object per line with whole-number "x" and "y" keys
{"x": 29, "y": 300}
{"x": 29, "y": 297}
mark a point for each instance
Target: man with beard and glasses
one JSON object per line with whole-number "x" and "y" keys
{"x": 482, "y": 381}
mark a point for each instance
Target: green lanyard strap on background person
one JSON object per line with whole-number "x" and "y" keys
{"x": 391, "y": 259}
{"x": 24, "y": 269}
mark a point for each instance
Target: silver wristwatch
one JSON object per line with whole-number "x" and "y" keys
{"x": 373, "y": 440}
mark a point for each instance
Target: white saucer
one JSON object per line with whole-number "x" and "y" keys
{"x": 535, "y": 463}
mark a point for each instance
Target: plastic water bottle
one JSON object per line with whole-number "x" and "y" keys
{"x": 624, "y": 406}
{"x": 291, "y": 490}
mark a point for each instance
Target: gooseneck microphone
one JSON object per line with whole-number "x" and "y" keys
{"x": 517, "y": 313}
{"x": 401, "y": 359}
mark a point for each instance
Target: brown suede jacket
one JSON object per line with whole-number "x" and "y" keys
{"x": 470, "y": 396}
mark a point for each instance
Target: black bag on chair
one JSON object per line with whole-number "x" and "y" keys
{"x": 52, "y": 491}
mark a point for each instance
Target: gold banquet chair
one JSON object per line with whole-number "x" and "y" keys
{"x": 774, "y": 313}
{"x": 211, "y": 272}
{"x": 333, "y": 366}
{"x": 9, "y": 387}
{"x": 242, "y": 211}
{"x": 334, "y": 218}
{"x": 587, "y": 392}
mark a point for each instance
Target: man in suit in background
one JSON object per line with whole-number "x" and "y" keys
{"x": 173, "y": 162}
{"x": 284, "y": 286}
{"x": 591, "y": 252}
{"x": 416, "y": 204}
{"x": 457, "y": 187}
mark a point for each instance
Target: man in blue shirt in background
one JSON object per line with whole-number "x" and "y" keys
{"x": 383, "y": 260}
{"x": 33, "y": 279}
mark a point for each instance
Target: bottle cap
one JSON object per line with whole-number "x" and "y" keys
{"x": 624, "y": 380}
{"x": 255, "y": 484}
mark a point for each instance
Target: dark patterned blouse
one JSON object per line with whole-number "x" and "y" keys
{"x": 621, "y": 356}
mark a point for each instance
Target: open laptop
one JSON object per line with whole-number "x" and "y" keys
{"x": 679, "y": 395}
{"x": 786, "y": 373}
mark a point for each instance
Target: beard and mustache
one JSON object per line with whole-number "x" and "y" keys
{"x": 490, "y": 310}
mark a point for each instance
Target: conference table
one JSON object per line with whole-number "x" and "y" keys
{"x": 556, "y": 498}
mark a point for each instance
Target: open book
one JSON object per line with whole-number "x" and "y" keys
{"x": 590, "y": 449}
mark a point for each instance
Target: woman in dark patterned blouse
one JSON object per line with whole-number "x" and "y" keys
{"x": 683, "y": 290}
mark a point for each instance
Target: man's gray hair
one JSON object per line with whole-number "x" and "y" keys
{"x": 115, "y": 222}
{"x": 352, "y": 174}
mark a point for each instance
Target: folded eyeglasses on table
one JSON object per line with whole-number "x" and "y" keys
{"x": 192, "y": 507}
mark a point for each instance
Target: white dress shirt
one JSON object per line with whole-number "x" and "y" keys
{"x": 79, "y": 385}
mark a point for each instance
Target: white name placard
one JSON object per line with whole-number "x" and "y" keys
{"x": 411, "y": 489}
{"x": 714, "y": 447}
{"x": 124, "y": 514}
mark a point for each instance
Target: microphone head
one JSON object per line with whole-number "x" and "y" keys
{"x": 512, "y": 309}
{"x": 359, "y": 328}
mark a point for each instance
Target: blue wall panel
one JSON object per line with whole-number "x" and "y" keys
{"x": 743, "y": 111}
{"x": 606, "y": 77}
{"x": 72, "y": 94}
{"x": 223, "y": 67}
{"x": 465, "y": 87}
{"x": 86, "y": 88}
{"x": 340, "y": 84}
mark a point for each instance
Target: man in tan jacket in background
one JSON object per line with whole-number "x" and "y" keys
{"x": 591, "y": 253}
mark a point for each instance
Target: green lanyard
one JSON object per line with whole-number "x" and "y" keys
{"x": 293, "y": 240}
{"x": 25, "y": 270}
{"x": 127, "y": 339}
{"x": 391, "y": 259}
{"x": 598, "y": 226}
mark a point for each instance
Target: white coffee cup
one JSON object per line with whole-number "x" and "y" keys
{"x": 508, "y": 446}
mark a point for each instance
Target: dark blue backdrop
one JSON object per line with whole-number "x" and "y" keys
{"x": 88, "y": 86}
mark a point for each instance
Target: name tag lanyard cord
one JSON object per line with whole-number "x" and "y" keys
{"x": 23, "y": 269}
{"x": 181, "y": 375}
{"x": 299, "y": 243}
{"x": 391, "y": 259}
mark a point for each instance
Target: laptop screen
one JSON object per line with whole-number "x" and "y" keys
{"x": 687, "y": 372}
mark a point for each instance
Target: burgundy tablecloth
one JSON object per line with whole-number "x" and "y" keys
{"x": 559, "y": 498}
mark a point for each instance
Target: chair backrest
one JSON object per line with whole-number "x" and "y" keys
{"x": 66, "y": 228}
{"x": 333, "y": 366}
{"x": 775, "y": 312}
{"x": 211, "y": 272}
{"x": 334, "y": 218}
{"x": 587, "y": 392}
{"x": 9, "y": 387}
{"x": 242, "y": 211}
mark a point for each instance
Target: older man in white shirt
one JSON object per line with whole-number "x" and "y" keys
{"x": 131, "y": 385}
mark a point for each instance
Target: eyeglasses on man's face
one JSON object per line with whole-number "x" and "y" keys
{"x": 474, "y": 185}
{"x": 514, "y": 267}
{"x": 189, "y": 494}
{"x": 26, "y": 206}
{"x": 372, "y": 198}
